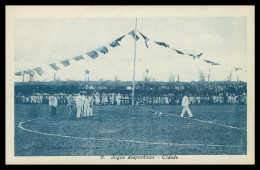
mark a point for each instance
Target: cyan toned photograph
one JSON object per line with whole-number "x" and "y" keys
{"x": 130, "y": 87}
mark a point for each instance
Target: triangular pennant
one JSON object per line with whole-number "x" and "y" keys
{"x": 132, "y": 33}
{"x": 145, "y": 39}
{"x": 162, "y": 44}
{"x": 20, "y": 73}
{"x": 53, "y": 65}
{"x": 198, "y": 56}
{"x": 93, "y": 54}
{"x": 114, "y": 44}
{"x": 77, "y": 58}
{"x": 102, "y": 49}
{"x": 120, "y": 38}
{"x": 39, "y": 70}
{"x": 179, "y": 52}
{"x": 66, "y": 63}
{"x": 210, "y": 62}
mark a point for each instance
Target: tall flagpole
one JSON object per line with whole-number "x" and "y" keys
{"x": 133, "y": 92}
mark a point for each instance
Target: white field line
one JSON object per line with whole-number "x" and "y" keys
{"x": 203, "y": 121}
{"x": 114, "y": 140}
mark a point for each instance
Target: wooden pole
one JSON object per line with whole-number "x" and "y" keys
{"x": 133, "y": 92}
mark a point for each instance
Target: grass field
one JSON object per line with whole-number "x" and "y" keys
{"x": 131, "y": 130}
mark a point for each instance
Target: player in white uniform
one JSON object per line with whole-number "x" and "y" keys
{"x": 85, "y": 106}
{"x": 185, "y": 105}
{"x": 118, "y": 99}
{"x": 90, "y": 105}
{"x": 53, "y": 103}
{"x": 79, "y": 103}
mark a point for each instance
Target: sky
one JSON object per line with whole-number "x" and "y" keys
{"x": 40, "y": 42}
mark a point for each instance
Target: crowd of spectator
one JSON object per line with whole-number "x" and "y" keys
{"x": 125, "y": 99}
{"x": 145, "y": 93}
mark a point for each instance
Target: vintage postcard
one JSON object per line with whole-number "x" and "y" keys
{"x": 130, "y": 85}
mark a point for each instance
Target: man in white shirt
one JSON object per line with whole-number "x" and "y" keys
{"x": 53, "y": 102}
{"x": 185, "y": 106}
{"x": 118, "y": 99}
{"x": 79, "y": 103}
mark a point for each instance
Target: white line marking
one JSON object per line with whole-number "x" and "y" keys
{"x": 115, "y": 140}
{"x": 210, "y": 122}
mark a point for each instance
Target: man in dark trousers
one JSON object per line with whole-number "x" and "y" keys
{"x": 53, "y": 103}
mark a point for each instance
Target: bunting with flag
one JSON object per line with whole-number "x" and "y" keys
{"x": 179, "y": 52}
{"x": 145, "y": 39}
{"x": 102, "y": 49}
{"x": 211, "y": 62}
{"x": 132, "y": 33}
{"x": 192, "y": 56}
{"x": 20, "y": 73}
{"x": 198, "y": 56}
{"x": 162, "y": 44}
{"x": 120, "y": 38}
{"x": 114, "y": 44}
{"x": 93, "y": 54}
{"x": 54, "y": 67}
{"x": 30, "y": 72}
{"x": 39, "y": 70}
{"x": 66, "y": 63}
{"x": 77, "y": 58}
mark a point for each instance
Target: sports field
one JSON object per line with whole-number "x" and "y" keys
{"x": 131, "y": 130}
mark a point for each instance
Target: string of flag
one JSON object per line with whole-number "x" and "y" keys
{"x": 92, "y": 54}
{"x": 163, "y": 44}
{"x": 104, "y": 50}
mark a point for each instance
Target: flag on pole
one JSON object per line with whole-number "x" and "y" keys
{"x": 65, "y": 63}
{"x": 39, "y": 70}
{"x": 114, "y": 44}
{"x": 30, "y": 72}
{"x": 145, "y": 39}
{"x": 87, "y": 72}
{"x": 93, "y": 54}
{"x": 54, "y": 67}
{"x": 162, "y": 44}
{"x": 20, "y": 73}
{"x": 132, "y": 33}
{"x": 77, "y": 58}
{"x": 179, "y": 52}
{"x": 102, "y": 49}
{"x": 120, "y": 38}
